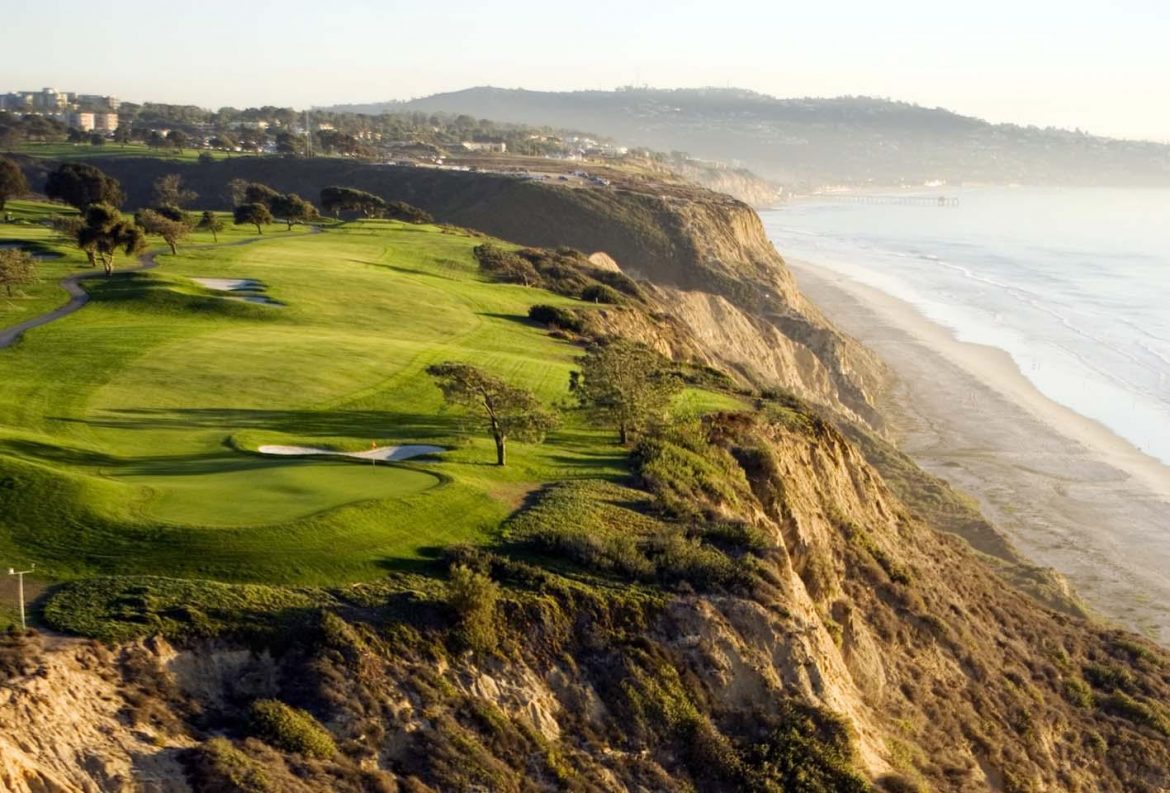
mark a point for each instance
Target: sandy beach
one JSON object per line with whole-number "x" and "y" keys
{"x": 1068, "y": 492}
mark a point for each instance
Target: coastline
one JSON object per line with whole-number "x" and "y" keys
{"x": 1069, "y": 493}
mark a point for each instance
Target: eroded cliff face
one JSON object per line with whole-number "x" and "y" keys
{"x": 946, "y": 678}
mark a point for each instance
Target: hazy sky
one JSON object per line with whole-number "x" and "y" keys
{"x": 1101, "y": 65}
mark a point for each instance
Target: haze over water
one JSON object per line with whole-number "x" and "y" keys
{"x": 1074, "y": 284}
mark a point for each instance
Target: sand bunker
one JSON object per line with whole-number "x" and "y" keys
{"x": 245, "y": 289}
{"x": 383, "y": 453}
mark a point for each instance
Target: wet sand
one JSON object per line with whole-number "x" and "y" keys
{"x": 1068, "y": 492}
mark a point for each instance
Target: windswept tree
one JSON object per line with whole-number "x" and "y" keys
{"x": 12, "y": 181}
{"x": 505, "y": 411}
{"x": 80, "y": 185}
{"x": 172, "y": 231}
{"x": 625, "y": 384}
{"x": 17, "y": 268}
{"x": 209, "y": 221}
{"x": 255, "y": 213}
{"x": 400, "y": 210}
{"x": 168, "y": 190}
{"x": 104, "y": 232}
{"x": 293, "y": 209}
{"x": 336, "y": 200}
{"x": 257, "y": 193}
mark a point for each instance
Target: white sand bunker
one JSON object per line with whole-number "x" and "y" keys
{"x": 384, "y": 453}
{"x": 245, "y": 289}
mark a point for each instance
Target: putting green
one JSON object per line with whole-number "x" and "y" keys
{"x": 260, "y": 491}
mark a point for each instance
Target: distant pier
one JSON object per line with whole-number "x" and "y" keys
{"x": 890, "y": 200}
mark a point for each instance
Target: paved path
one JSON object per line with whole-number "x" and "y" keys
{"x": 78, "y": 297}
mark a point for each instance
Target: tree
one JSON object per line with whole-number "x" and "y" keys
{"x": 178, "y": 139}
{"x": 336, "y": 200}
{"x": 80, "y": 185}
{"x": 624, "y": 383}
{"x": 12, "y": 181}
{"x": 104, "y": 232}
{"x": 236, "y": 189}
{"x": 168, "y": 190}
{"x": 257, "y": 193}
{"x": 255, "y": 213}
{"x": 171, "y": 230}
{"x": 17, "y": 267}
{"x": 209, "y": 221}
{"x": 507, "y": 411}
{"x": 400, "y": 210}
{"x": 293, "y": 209}
{"x": 290, "y": 144}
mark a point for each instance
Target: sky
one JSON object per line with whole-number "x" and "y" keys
{"x": 1098, "y": 65}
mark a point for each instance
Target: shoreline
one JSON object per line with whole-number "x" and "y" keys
{"x": 1066, "y": 491}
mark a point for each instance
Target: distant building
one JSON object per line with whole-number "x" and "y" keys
{"x": 105, "y": 122}
{"x": 83, "y": 121}
{"x": 493, "y": 146}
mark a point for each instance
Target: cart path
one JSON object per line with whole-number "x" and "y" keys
{"x": 78, "y": 297}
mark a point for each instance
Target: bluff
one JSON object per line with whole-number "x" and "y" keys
{"x": 706, "y": 252}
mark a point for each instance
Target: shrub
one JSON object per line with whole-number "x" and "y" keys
{"x": 600, "y": 293}
{"x": 472, "y": 596}
{"x": 400, "y": 210}
{"x": 557, "y": 317}
{"x": 1077, "y": 692}
{"x": 220, "y": 766}
{"x": 289, "y": 728}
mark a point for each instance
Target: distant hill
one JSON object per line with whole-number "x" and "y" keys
{"x": 814, "y": 142}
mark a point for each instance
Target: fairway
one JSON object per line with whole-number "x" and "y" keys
{"x": 131, "y": 428}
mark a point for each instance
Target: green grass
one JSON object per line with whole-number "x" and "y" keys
{"x": 127, "y": 445}
{"x": 81, "y": 151}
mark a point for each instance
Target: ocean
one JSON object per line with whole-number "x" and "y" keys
{"x": 1074, "y": 284}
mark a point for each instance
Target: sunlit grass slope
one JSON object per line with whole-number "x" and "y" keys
{"x": 128, "y": 429}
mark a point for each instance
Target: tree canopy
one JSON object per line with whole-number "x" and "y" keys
{"x": 12, "y": 181}
{"x": 168, "y": 190}
{"x": 17, "y": 267}
{"x": 335, "y": 200}
{"x": 255, "y": 213}
{"x": 626, "y": 384}
{"x": 172, "y": 231}
{"x": 292, "y": 209}
{"x": 209, "y": 221}
{"x": 80, "y": 185}
{"x": 104, "y": 232}
{"x": 506, "y": 412}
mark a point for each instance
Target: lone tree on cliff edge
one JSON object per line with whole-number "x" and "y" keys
{"x": 626, "y": 384}
{"x": 507, "y": 411}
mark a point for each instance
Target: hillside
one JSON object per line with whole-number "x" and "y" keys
{"x": 806, "y": 143}
{"x": 759, "y": 593}
{"x": 707, "y": 252}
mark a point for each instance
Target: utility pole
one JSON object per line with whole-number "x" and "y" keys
{"x": 20, "y": 578}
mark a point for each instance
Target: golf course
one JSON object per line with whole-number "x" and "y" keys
{"x": 132, "y": 428}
